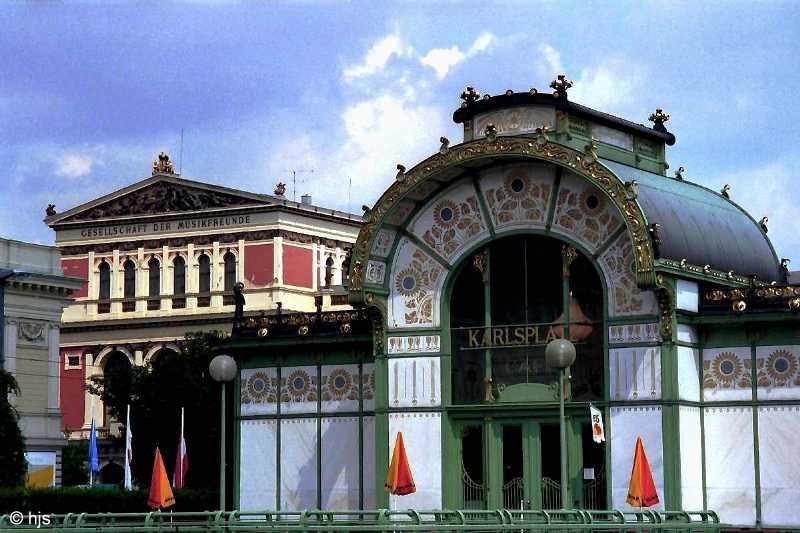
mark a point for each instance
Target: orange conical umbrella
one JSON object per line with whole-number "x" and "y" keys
{"x": 160, "y": 491}
{"x": 642, "y": 488}
{"x": 399, "y": 480}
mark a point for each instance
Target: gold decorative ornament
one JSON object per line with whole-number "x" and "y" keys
{"x": 445, "y": 146}
{"x": 568, "y": 255}
{"x": 479, "y": 262}
{"x": 631, "y": 189}
{"x": 491, "y": 133}
{"x": 561, "y": 84}
{"x": 302, "y": 330}
{"x": 679, "y": 174}
{"x": 739, "y": 306}
{"x": 162, "y": 165}
{"x": 469, "y": 96}
{"x": 263, "y": 332}
{"x": 763, "y": 224}
{"x": 280, "y": 189}
{"x": 401, "y": 172}
{"x": 683, "y": 263}
{"x": 541, "y": 135}
{"x": 658, "y": 119}
{"x": 726, "y": 191}
{"x": 591, "y": 151}
{"x": 346, "y": 328}
{"x": 794, "y": 304}
{"x": 707, "y": 269}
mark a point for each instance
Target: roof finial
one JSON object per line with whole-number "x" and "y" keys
{"x": 561, "y": 84}
{"x": 280, "y": 189}
{"x": 469, "y": 96}
{"x": 658, "y": 119}
{"x": 162, "y": 165}
{"x": 726, "y": 191}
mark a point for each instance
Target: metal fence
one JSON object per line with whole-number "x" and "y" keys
{"x": 379, "y": 521}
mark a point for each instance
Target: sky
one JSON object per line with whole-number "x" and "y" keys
{"x": 91, "y": 92}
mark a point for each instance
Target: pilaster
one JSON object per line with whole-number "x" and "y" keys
{"x": 53, "y": 373}
{"x": 10, "y": 352}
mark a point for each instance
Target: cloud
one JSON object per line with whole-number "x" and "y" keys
{"x": 442, "y": 60}
{"x": 73, "y": 165}
{"x": 378, "y": 56}
{"x": 551, "y": 61}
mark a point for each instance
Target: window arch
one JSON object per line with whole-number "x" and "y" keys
{"x": 230, "y": 271}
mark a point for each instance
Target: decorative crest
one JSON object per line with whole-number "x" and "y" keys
{"x": 162, "y": 165}
{"x": 679, "y": 173}
{"x": 280, "y": 189}
{"x": 763, "y": 224}
{"x": 561, "y": 84}
{"x": 726, "y": 190}
{"x": 469, "y": 96}
{"x": 658, "y": 119}
{"x": 51, "y": 210}
{"x": 445, "y": 146}
{"x": 401, "y": 173}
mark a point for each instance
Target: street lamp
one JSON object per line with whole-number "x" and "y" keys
{"x": 560, "y": 353}
{"x": 223, "y": 369}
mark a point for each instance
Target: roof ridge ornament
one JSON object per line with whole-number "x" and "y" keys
{"x": 561, "y": 84}
{"x": 679, "y": 173}
{"x": 469, "y": 96}
{"x": 162, "y": 165}
{"x": 726, "y": 191}
{"x": 658, "y": 119}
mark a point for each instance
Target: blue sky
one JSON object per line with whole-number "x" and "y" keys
{"x": 89, "y": 93}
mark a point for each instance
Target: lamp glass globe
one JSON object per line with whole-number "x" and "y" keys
{"x": 559, "y": 353}
{"x": 222, "y": 368}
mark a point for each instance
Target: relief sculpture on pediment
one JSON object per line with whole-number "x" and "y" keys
{"x": 162, "y": 198}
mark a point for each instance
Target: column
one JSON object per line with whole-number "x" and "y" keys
{"x": 278, "y": 260}
{"x": 88, "y": 371}
{"x": 10, "y": 352}
{"x": 53, "y": 359}
{"x": 240, "y": 262}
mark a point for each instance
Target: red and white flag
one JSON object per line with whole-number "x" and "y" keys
{"x": 128, "y": 451}
{"x": 181, "y": 460}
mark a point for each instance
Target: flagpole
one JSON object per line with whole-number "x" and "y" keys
{"x": 91, "y": 431}
{"x": 180, "y": 447}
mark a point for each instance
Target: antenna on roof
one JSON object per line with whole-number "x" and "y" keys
{"x": 180, "y": 156}
{"x": 294, "y": 179}
{"x": 349, "y": 188}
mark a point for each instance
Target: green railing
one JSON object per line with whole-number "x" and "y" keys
{"x": 378, "y": 521}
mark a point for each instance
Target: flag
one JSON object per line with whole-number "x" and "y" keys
{"x": 94, "y": 463}
{"x": 596, "y": 419}
{"x": 642, "y": 488}
{"x": 160, "y": 491}
{"x": 181, "y": 460}
{"x": 128, "y": 485}
{"x": 399, "y": 480}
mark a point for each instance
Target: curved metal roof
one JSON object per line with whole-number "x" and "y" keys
{"x": 702, "y": 226}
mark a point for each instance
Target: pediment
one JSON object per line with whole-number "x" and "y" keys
{"x": 162, "y": 197}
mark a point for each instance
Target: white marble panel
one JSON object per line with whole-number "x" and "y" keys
{"x": 687, "y": 333}
{"x": 584, "y": 212}
{"x": 691, "y": 458}
{"x": 299, "y": 389}
{"x": 779, "y": 449}
{"x": 727, "y": 374}
{"x": 452, "y": 221}
{"x": 730, "y": 470}
{"x": 376, "y": 271}
{"x": 515, "y": 120}
{"x": 628, "y": 423}
{"x": 414, "y": 382}
{"x": 625, "y": 296}
{"x": 339, "y": 388}
{"x": 688, "y": 373}
{"x": 518, "y": 195}
{"x": 688, "y": 297}
{"x": 259, "y": 391}
{"x": 422, "y": 434}
{"x": 383, "y": 242}
{"x": 630, "y": 333}
{"x": 298, "y": 464}
{"x": 414, "y": 288}
{"x": 635, "y": 373}
{"x": 778, "y": 372}
{"x": 414, "y": 344}
{"x": 369, "y": 462}
{"x": 257, "y": 465}
{"x": 340, "y": 480}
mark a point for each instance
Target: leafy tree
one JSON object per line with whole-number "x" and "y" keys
{"x": 13, "y": 466}
{"x": 73, "y": 463}
{"x": 156, "y": 392}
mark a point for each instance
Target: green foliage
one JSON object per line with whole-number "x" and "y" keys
{"x": 64, "y": 500}
{"x": 73, "y": 463}
{"x": 13, "y": 466}
{"x": 156, "y": 393}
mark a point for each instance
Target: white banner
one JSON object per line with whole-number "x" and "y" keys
{"x": 596, "y": 417}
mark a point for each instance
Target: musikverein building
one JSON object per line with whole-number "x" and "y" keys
{"x": 160, "y": 259}
{"x": 549, "y": 220}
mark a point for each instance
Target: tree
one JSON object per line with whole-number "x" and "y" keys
{"x": 13, "y": 466}
{"x": 156, "y": 392}
{"x": 73, "y": 463}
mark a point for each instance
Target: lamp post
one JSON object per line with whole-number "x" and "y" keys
{"x": 560, "y": 353}
{"x": 223, "y": 369}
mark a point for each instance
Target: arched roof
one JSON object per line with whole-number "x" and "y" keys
{"x": 701, "y": 226}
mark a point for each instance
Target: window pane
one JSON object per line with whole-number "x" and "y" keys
{"x": 130, "y": 279}
{"x": 179, "y": 273}
{"x": 205, "y": 274}
{"x": 155, "y": 277}
{"x": 230, "y": 271}
{"x": 105, "y": 281}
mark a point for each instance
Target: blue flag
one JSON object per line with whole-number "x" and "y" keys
{"x": 94, "y": 464}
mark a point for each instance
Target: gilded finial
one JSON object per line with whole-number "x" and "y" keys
{"x": 763, "y": 224}
{"x": 658, "y": 119}
{"x": 401, "y": 172}
{"x": 445, "y": 146}
{"x": 280, "y": 189}
{"x": 491, "y": 133}
{"x": 561, "y": 84}
{"x": 707, "y": 269}
{"x": 679, "y": 173}
{"x": 469, "y": 96}
{"x": 162, "y": 165}
{"x": 726, "y": 191}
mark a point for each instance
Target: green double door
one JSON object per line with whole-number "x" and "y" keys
{"x": 514, "y": 463}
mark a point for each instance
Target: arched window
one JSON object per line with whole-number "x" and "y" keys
{"x": 204, "y": 285}
{"x": 104, "y": 294}
{"x": 155, "y": 277}
{"x": 230, "y": 271}
{"x": 129, "y": 286}
{"x": 179, "y": 276}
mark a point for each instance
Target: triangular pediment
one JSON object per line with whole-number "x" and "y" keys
{"x": 157, "y": 196}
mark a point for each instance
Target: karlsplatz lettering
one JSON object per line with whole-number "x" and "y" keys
{"x": 164, "y": 227}
{"x": 512, "y": 336}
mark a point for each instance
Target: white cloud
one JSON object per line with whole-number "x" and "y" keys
{"x": 378, "y": 56}
{"x": 442, "y": 60}
{"x": 551, "y": 61}
{"x": 612, "y": 85}
{"x": 73, "y": 165}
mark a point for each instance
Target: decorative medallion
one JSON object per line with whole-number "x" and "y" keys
{"x": 778, "y": 367}
{"x": 521, "y": 196}
{"x": 452, "y": 222}
{"x": 727, "y": 370}
{"x": 338, "y": 385}
{"x": 299, "y": 386}
{"x": 584, "y": 212}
